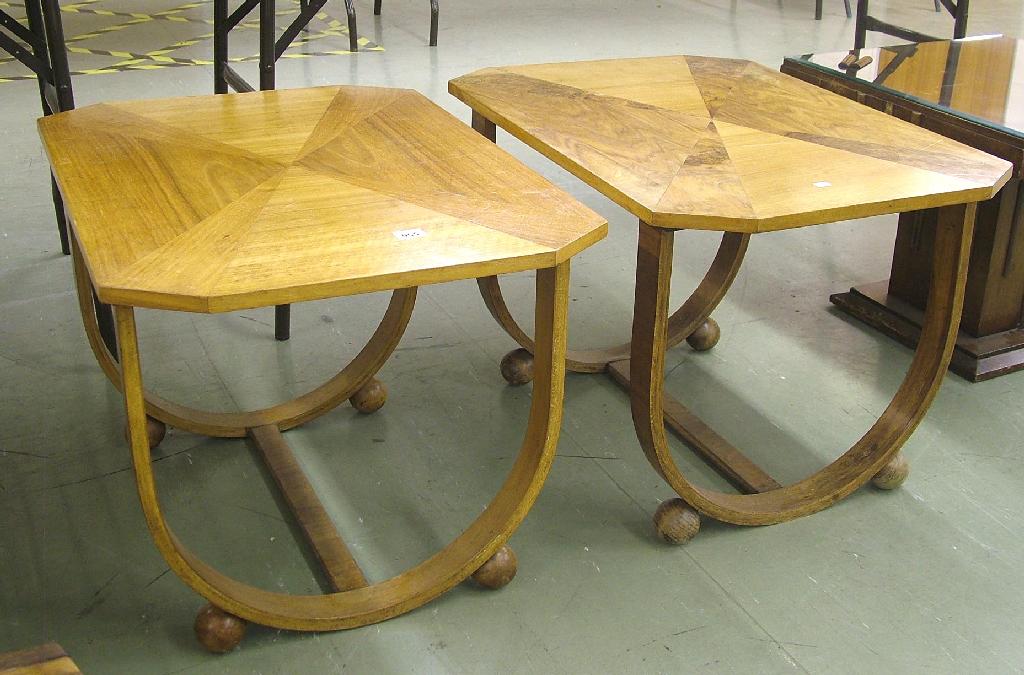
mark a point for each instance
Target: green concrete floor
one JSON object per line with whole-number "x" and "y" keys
{"x": 923, "y": 579}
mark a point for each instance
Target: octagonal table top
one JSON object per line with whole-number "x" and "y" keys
{"x": 217, "y": 203}
{"x": 726, "y": 144}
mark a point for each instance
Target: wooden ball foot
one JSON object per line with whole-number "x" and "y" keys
{"x": 706, "y": 336}
{"x": 217, "y": 630}
{"x": 370, "y": 398}
{"x": 499, "y": 570}
{"x": 155, "y": 432}
{"x": 517, "y": 367}
{"x": 892, "y": 474}
{"x": 676, "y": 521}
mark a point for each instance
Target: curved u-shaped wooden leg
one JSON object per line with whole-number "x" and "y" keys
{"x": 691, "y": 320}
{"x": 379, "y": 601}
{"x": 874, "y": 452}
{"x": 354, "y": 382}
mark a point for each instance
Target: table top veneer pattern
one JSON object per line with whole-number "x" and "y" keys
{"x": 217, "y": 203}
{"x": 725, "y": 144}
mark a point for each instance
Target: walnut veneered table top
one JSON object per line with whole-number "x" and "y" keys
{"x": 725, "y": 144}
{"x": 216, "y": 203}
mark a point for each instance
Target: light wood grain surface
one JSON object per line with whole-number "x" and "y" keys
{"x": 217, "y": 203}
{"x": 726, "y": 144}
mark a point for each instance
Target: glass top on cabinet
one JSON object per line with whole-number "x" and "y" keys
{"x": 974, "y": 78}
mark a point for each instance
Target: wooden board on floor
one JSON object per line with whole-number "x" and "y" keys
{"x": 47, "y": 659}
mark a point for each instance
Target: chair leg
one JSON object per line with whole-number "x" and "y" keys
{"x": 353, "y": 34}
{"x": 282, "y": 322}
{"x": 34, "y": 14}
{"x": 220, "y": 46}
{"x": 62, "y": 221}
{"x": 433, "y": 22}
{"x": 849, "y": 13}
{"x": 268, "y": 81}
{"x": 817, "y": 10}
{"x": 861, "y": 28}
{"x": 44, "y": 20}
{"x": 105, "y": 322}
{"x": 58, "y": 55}
{"x": 377, "y": 3}
{"x": 268, "y": 62}
{"x": 938, "y": 6}
{"x": 960, "y": 20}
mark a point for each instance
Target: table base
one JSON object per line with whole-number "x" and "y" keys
{"x": 479, "y": 551}
{"x": 975, "y": 358}
{"x": 638, "y": 366}
{"x": 874, "y": 457}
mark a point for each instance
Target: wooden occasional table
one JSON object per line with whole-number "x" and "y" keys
{"x": 966, "y": 90}
{"x": 689, "y": 142}
{"x": 303, "y": 195}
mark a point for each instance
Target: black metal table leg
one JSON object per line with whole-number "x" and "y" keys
{"x": 58, "y": 54}
{"x": 434, "y": 12}
{"x": 47, "y": 57}
{"x": 860, "y": 30}
{"x": 353, "y": 35}
{"x": 282, "y": 322}
{"x": 220, "y": 46}
{"x": 267, "y": 60}
{"x": 271, "y": 49}
{"x": 960, "y": 20}
{"x": 105, "y": 321}
{"x": 54, "y": 78}
{"x": 268, "y": 80}
{"x": 958, "y": 9}
{"x": 61, "y": 73}
{"x": 433, "y": 22}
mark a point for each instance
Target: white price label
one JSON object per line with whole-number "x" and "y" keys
{"x": 409, "y": 234}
